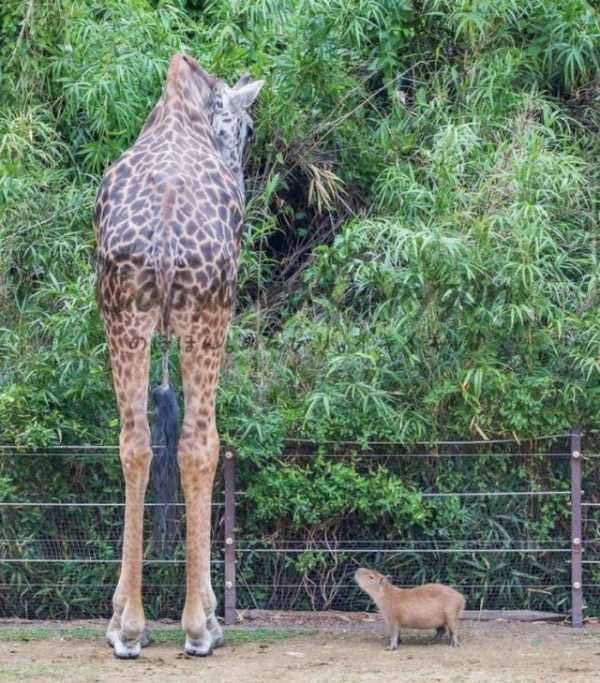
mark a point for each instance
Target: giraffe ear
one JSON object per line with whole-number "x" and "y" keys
{"x": 244, "y": 97}
{"x": 244, "y": 79}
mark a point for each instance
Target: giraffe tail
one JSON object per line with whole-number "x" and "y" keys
{"x": 165, "y": 426}
{"x": 165, "y": 435}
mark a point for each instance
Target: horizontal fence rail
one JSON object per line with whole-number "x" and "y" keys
{"x": 29, "y": 504}
{"x": 554, "y": 570}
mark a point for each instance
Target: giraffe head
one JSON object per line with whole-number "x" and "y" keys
{"x": 232, "y": 122}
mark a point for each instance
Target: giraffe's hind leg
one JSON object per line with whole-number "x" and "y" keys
{"x": 198, "y": 454}
{"x": 130, "y": 360}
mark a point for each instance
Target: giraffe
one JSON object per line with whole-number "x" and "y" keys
{"x": 168, "y": 224}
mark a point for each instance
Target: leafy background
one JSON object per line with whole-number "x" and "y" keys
{"x": 421, "y": 251}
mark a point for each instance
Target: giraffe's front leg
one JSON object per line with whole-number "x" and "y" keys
{"x": 198, "y": 454}
{"x": 130, "y": 371}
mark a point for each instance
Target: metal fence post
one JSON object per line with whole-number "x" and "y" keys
{"x": 229, "y": 523}
{"x": 576, "y": 529}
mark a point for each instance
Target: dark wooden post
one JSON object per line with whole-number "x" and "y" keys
{"x": 576, "y": 536}
{"x": 229, "y": 476}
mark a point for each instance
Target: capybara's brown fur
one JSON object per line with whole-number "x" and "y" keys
{"x": 431, "y": 605}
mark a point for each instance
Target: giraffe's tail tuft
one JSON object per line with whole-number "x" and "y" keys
{"x": 165, "y": 434}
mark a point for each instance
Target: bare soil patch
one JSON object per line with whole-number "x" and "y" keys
{"x": 329, "y": 651}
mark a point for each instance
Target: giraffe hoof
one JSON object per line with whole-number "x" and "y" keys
{"x": 198, "y": 648}
{"x": 216, "y": 634}
{"x": 146, "y": 640}
{"x": 123, "y": 650}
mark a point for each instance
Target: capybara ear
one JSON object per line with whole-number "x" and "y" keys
{"x": 387, "y": 578}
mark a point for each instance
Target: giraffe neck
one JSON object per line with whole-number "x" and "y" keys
{"x": 181, "y": 105}
{"x": 234, "y": 164}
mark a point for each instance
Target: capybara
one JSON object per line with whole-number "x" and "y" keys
{"x": 431, "y": 605}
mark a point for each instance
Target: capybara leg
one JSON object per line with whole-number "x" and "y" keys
{"x": 394, "y": 637}
{"x": 440, "y": 631}
{"x": 453, "y": 637}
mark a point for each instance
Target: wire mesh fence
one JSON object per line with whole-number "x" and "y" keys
{"x": 60, "y": 550}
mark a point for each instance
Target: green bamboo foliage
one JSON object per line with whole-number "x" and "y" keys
{"x": 421, "y": 252}
{"x": 421, "y": 216}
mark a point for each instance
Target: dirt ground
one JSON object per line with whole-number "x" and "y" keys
{"x": 327, "y": 651}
